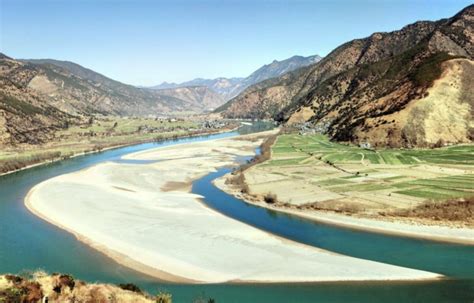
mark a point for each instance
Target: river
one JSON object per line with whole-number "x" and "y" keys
{"x": 29, "y": 243}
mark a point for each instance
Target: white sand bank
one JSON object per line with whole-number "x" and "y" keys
{"x": 122, "y": 210}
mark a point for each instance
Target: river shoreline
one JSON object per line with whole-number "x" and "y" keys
{"x": 85, "y": 153}
{"x": 185, "y": 158}
{"x": 428, "y": 232}
{"x": 114, "y": 255}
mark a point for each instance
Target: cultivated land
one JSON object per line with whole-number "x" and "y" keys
{"x": 144, "y": 216}
{"x": 325, "y": 175}
{"x": 99, "y": 134}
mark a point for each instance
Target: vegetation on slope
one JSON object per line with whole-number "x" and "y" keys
{"x": 363, "y": 90}
{"x": 39, "y": 97}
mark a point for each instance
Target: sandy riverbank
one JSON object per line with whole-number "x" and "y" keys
{"x": 144, "y": 216}
{"x": 430, "y": 232}
{"x": 116, "y": 146}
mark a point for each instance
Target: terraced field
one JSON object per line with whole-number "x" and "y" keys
{"x": 312, "y": 170}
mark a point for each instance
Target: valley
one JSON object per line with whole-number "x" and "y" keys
{"x": 198, "y": 232}
{"x": 250, "y": 174}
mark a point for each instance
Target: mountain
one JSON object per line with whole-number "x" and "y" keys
{"x": 198, "y": 98}
{"x": 231, "y": 87}
{"x": 226, "y": 87}
{"x": 89, "y": 92}
{"x": 38, "y": 97}
{"x": 411, "y": 87}
{"x": 278, "y": 68}
{"x": 24, "y": 115}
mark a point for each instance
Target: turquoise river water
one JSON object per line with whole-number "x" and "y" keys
{"x": 28, "y": 243}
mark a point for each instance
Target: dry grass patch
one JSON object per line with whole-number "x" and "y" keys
{"x": 458, "y": 210}
{"x": 60, "y": 288}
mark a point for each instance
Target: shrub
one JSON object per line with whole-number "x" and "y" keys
{"x": 270, "y": 198}
{"x": 430, "y": 69}
{"x": 239, "y": 182}
{"x": 130, "y": 287}
{"x": 66, "y": 280}
{"x": 21, "y": 291}
{"x": 163, "y": 297}
{"x": 439, "y": 143}
{"x": 460, "y": 210}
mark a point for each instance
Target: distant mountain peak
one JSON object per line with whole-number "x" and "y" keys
{"x": 231, "y": 87}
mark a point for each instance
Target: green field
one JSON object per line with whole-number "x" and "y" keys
{"x": 320, "y": 146}
{"x": 126, "y": 126}
{"x": 348, "y": 170}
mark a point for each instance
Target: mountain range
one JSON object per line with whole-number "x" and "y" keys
{"x": 39, "y": 96}
{"x": 225, "y": 87}
{"x": 231, "y": 87}
{"x": 410, "y": 87}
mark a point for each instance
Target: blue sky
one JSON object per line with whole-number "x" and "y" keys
{"x": 146, "y": 42}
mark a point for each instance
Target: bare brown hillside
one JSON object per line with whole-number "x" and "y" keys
{"x": 366, "y": 89}
{"x": 38, "y": 97}
{"x": 198, "y": 98}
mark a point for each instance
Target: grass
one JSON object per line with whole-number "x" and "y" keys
{"x": 295, "y": 145}
{"x": 125, "y": 126}
{"x": 432, "y": 193}
{"x": 423, "y": 174}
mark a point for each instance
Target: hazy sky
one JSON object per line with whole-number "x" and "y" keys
{"x": 147, "y": 42}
